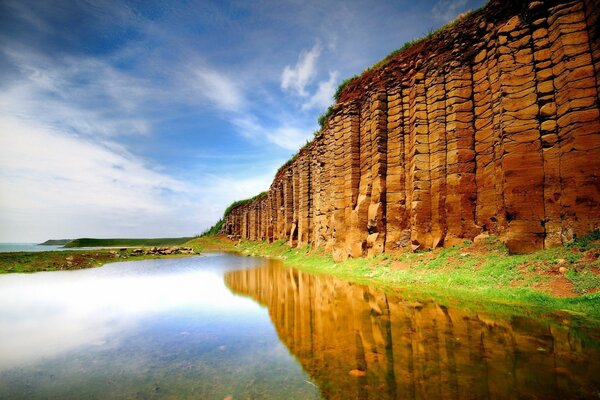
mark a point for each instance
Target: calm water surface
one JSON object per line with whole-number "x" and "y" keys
{"x": 11, "y": 247}
{"x": 221, "y": 325}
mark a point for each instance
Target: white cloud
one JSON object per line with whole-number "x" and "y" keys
{"x": 47, "y": 174}
{"x": 54, "y": 184}
{"x": 447, "y": 10}
{"x": 285, "y": 134}
{"x": 218, "y": 89}
{"x": 288, "y": 137}
{"x": 296, "y": 78}
{"x": 323, "y": 96}
{"x": 81, "y": 94}
{"x": 41, "y": 320}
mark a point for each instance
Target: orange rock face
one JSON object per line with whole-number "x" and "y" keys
{"x": 491, "y": 126}
{"x": 360, "y": 343}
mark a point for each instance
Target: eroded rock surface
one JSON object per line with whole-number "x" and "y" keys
{"x": 357, "y": 342}
{"x": 491, "y": 126}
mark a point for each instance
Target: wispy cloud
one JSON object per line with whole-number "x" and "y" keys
{"x": 70, "y": 186}
{"x": 82, "y": 94}
{"x": 51, "y": 172}
{"x": 447, "y": 10}
{"x": 324, "y": 93}
{"x": 284, "y": 133}
{"x": 101, "y": 123}
{"x": 296, "y": 78}
{"x": 218, "y": 89}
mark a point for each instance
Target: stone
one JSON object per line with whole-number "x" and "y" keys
{"x": 357, "y": 373}
{"x": 491, "y": 131}
{"x": 562, "y": 270}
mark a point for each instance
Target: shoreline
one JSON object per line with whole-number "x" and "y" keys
{"x": 65, "y": 260}
{"x": 473, "y": 275}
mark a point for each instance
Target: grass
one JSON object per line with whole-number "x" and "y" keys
{"x": 586, "y": 242}
{"x": 325, "y": 116}
{"x": 213, "y": 230}
{"x": 383, "y": 62}
{"x": 482, "y": 275}
{"x": 25, "y": 262}
{"x": 342, "y": 85}
{"x": 55, "y": 242}
{"x": 92, "y": 242}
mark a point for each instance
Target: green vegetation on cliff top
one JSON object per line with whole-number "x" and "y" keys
{"x": 55, "y": 242}
{"x": 564, "y": 279}
{"x": 93, "y": 242}
{"x": 383, "y": 62}
{"x": 213, "y": 230}
{"x": 322, "y": 119}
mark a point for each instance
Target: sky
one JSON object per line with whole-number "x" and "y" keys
{"x": 148, "y": 118}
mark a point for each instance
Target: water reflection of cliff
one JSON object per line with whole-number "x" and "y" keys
{"x": 416, "y": 350}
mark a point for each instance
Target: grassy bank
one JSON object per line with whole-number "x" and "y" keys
{"x": 565, "y": 279}
{"x": 92, "y": 242}
{"x": 68, "y": 259}
{"x": 55, "y": 242}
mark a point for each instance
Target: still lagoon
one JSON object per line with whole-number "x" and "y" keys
{"x": 221, "y": 326}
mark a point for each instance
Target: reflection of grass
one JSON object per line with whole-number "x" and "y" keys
{"x": 483, "y": 273}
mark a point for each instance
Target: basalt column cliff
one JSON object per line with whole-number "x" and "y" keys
{"x": 491, "y": 126}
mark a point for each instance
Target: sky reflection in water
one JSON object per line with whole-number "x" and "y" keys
{"x": 149, "y": 327}
{"x": 222, "y": 325}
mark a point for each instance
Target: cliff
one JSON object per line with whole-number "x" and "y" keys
{"x": 415, "y": 350}
{"x": 491, "y": 126}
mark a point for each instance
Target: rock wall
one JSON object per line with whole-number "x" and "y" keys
{"x": 491, "y": 126}
{"x": 414, "y": 350}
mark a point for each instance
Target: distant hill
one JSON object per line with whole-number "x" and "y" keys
{"x": 91, "y": 242}
{"x": 55, "y": 242}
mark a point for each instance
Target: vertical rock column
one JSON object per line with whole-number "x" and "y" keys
{"x": 293, "y": 240}
{"x": 592, "y": 16}
{"x": 316, "y": 167}
{"x": 377, "y": 208}
{"x": 542, "y": 63}
{"x": 461, "y": 189}
{"x": 409, "y": 160}
{"x": 436, "y": 116}
{"x": 244, "y": 230}
{"x": 270, "y": 222}
{"x": 420, "y": 167}
{"x": 351, "y": 135}
{"x": 280, "y": 209}
{"x": 578, "y": 119}
{"x": 288, "y": 204}
{"x": 329, "y": 188}
{"x": 522, "y": 162}
{"x": 488, "y": 146}
{"x": 395, "y": 176}
{"x": 304, "y": 199}
{"x": 252, "y": 220}
{"x": 359, "y": 217}
{"x": 338, "y": 221}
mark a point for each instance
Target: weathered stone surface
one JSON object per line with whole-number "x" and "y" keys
{"x": 403, "y": 349}
{"x": 490, "y": 127}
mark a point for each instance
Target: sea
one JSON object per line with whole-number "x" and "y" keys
{"x": 12, "y": 247}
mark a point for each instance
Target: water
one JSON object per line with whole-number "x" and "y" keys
{"x": 221, "y": 325}
{"x": 12, "y": 247}
{"x": 148, "y": 329}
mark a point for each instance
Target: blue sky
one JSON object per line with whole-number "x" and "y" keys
{"x": 147, "y": 118}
